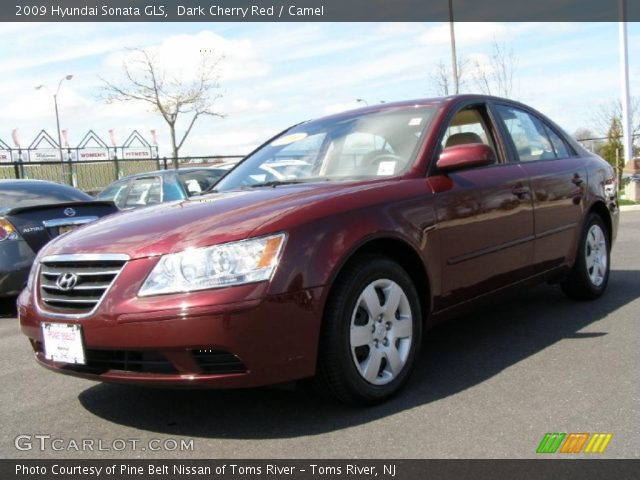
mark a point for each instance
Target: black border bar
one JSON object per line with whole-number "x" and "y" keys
{"x": 566, "y": 469}
{"x": 316, "y": 10}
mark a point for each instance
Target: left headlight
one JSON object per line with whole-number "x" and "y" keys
{"x": 223, "y": 265}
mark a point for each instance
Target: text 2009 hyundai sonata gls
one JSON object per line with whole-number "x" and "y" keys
{"x": 389, "y": 218}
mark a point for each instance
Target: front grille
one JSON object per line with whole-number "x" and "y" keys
{"x": 76, "y": 284}
{"x": 139, "y": 361}
{"x": 218, "y": 361}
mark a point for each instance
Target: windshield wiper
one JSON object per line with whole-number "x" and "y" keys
{"x": 276, "y": 183}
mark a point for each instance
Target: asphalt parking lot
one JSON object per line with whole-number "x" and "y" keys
{"x": 488, "y": 385}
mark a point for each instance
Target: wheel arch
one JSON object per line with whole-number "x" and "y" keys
{"x": 599, "y": 208}
{"x": 400, "y": 251}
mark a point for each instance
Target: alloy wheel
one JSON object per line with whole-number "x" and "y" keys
{"x": 597, "y": 256}
{"x": 381, "y": 331}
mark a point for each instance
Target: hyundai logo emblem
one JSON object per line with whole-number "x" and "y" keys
{"x": 67, "y": 281}
{"x": 69, "y": 212}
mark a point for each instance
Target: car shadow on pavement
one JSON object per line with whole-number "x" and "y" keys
{"x": 456, "y": 356}
{"x": 8, "y": 307}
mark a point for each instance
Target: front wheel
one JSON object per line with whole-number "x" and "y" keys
{"x": 590, "y": 274}
{"x": 371, "y": 332}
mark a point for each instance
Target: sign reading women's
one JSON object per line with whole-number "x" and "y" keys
{"x": 85, "y": 154}
{"x": 45, "y": 148}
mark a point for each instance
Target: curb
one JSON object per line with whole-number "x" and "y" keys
{"x": 630, "y": 208}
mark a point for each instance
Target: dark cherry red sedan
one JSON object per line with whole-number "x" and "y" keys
{"x": 385, "y": 220}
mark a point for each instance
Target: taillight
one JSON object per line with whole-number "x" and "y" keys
{"x": 7, "y": 231}
{"x": 611, "y": 187}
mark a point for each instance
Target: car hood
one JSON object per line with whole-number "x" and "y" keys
{"x": 197, "y": 222}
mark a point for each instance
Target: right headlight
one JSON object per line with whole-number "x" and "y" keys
{"x": 223, "y": 265}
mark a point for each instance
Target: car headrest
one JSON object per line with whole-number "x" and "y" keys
{"x": 463, "y": 139}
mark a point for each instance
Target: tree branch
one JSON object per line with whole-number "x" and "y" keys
{"x": 145, "y": 81}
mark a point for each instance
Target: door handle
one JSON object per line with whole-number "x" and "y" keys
{"x": 577, "y": 180}
{"x": 520, "y": 190}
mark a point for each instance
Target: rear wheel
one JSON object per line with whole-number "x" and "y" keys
{"x": 590, "y": 274}
{"x": 371, "y": 332}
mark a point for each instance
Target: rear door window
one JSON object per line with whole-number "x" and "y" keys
{"x": 528, "y": 134}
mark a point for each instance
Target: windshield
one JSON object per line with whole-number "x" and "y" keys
{"x": 370, "y": 145}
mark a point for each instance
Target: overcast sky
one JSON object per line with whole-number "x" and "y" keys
{"x": 275, "y": 75}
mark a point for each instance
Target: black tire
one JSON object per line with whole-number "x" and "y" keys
{"x": 338, "y": 375}
{"x": 580, "y": 285}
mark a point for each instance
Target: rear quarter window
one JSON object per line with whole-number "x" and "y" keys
{"x": 18, "y": 194}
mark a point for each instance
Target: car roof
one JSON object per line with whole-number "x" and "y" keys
{"x": 26, "y": 181}
{"x": 32, "y": 183}
{"x": 419, "y": 102}
{"x": 40, "y": 192}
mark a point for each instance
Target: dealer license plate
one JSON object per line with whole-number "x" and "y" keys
{"x": 66, "y": 228}
{"x": 63, "y": 342}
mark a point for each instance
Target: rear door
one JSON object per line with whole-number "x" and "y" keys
{"x": 557, "y": 177}
{"x": 485, "y": 215}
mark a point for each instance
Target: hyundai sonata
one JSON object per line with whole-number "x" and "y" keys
{"x": 396, "y": 216}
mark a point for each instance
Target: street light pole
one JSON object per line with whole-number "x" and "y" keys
{"x": 624, "y": 80}
{"x": 454, "y": 58}
{"x": 55, "y": 106}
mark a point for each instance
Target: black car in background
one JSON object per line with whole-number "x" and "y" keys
{"x": 160, "y": 186}
{"x": 32, "y": 212}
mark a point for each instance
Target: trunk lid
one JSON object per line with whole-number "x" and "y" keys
{"x": 38, "y": 224}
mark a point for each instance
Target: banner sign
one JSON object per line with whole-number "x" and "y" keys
{"x": 93, "y": 154}
{"x": 45, "y": 155}
{"x": 5, "y": 156}
{"x": 136, "y": 152}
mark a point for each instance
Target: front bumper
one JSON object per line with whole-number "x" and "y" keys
{"x": 226, "y": 338}
{"x": 16, "y": 258}
{"x": 12, "y": 282}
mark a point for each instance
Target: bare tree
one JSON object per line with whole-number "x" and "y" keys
{"x": 147, "y": 81}
{"x": 588, "y": 139}
{"x": 496, "y": 76}
{"x": 442, "y": 81}
{"x": 582, "y": 134}
{"x": 605, "y": 114}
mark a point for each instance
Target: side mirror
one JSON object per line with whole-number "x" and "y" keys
{"x": 469, "y": 155}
